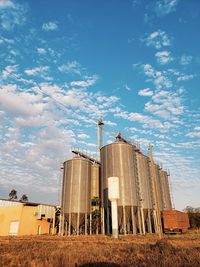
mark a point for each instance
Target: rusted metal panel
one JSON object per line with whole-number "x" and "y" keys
{"x": 175, "y": 221}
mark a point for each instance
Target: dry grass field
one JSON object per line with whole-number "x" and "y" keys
{"x": 54, "y": 251}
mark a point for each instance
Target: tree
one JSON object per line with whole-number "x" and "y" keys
{"x": 194, "y": 216}
{"x": 24, "y": 198}
{"x": 13, "y": 194}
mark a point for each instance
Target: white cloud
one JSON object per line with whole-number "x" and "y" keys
{"x": 185, "y": 77}
{"x": 49, "y": 26}
{"x": 158, "y": 39}
{"x": 145, "y": 120}
{"x": 72, "y": 67}
{"x": 195, "y": 133}
{"x": 37, "y": 70}
{"x": 18, "y": 103}
{"x": 145, "y": 92}
{"x": 7, "y": 72}
{"x": 86, "y": 83}
{"x": 159, "y": 78}
{"x": 197, "y": 128}
{"x": 83, "y": 136}
{"x": 164, "y": 7}
{"x": 11, "y": 15}
{"x": 41, "y": 51}
{"x": 6, "y": 4}
{"x": 185, "y": 60}
{"x": 165, "y": 104}
{"x": 164, "y": 57}
{"x": 127, "y": 87}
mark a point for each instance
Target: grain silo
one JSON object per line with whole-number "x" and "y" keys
{"x": 167, "y": 205}
{"x": 159, "y": 187}
{"x": 118, "y": 159}
{"x": 76, "y": 195}
{"x": 145, "y": 191}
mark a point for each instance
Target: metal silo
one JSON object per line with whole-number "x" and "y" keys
{"x": 167, "y": 205}
{"x": 118, "y": 160}
{"x": 145, "y": 191}
{"x": 159, "y": 187}
{"x": 76, "y": 194}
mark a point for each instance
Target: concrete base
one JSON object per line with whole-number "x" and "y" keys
{"x": 114, "y": 233}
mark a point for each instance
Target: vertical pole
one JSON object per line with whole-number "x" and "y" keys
{"x": 78, "y": 223}
{"x": 143, "y": 223}
{"x": 85, "y": 223}
{"x": 133, "y": 221}
{"x": 90, "y": 223}
{"x": 114, "y": 212}
{"x": 70, "y": 221}
{"x": 155, "y": 221}
{"x": 102, "y": 222}
{"x": 149, "y": 222}
{"x": 124, "y": 220}
{"x": 139, "y": 220}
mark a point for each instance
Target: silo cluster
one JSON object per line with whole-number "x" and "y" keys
{"x": 143, "y": 191}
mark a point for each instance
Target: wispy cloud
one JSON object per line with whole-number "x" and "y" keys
{"x": 11, "y": 14}
{"x": 72, "y": 67}
{"x": 185, "y": 77}
{"x": 36, "y": 70}
{"x": 83, "y": 136}
{"x": 164, "y": 57}
{"x": 86, "y": 83}
{"x": 49, "y": 26}
{"x": 195, "y": 133}
{"x": 158, "y": 39}
{"x": 145, "y": 92}
{"x": 166, "y": 105}
{"x": 185, "y": 60}
{"x": 41, "y": 51}
{"x": 159, "y": 78}
{"x": 164, "y": 7}
{"x": 7, "y": 72}
{"x": 6, "y": 4}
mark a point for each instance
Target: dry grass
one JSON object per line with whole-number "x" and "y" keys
{"x": 54, "y": 251}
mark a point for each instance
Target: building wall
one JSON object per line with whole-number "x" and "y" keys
{"x": 28, "y": 222}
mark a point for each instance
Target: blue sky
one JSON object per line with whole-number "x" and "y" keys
{"x": 66, "y": 63}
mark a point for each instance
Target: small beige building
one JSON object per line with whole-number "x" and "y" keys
{"x": 26, "y": 218}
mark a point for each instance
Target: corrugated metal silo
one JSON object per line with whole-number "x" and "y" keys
{"x": 76, "y": 194}
{"x": 167, "y": 205}
{"x": 145, "y": 191}
{"x": 159, "y": 187}
{"x": 118, "y": 160}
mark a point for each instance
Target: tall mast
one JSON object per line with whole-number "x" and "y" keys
{"x": 99, "y": 134}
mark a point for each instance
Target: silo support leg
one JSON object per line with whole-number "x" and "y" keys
{"x": 78, "y": 223}
{"x": 149, "y": 222}
{"x": 155, "y": 222}
{"x": 102, "y": 222}
{"x": 143, "y": 224}
{"x": 139, "y": 221}
{"x": 90, "y": 223}
{"x": 69, "y": 230}
{"x": 85, "y": 223}
{"x": 133, "y": 221}
{"x": 124, "y": 220}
